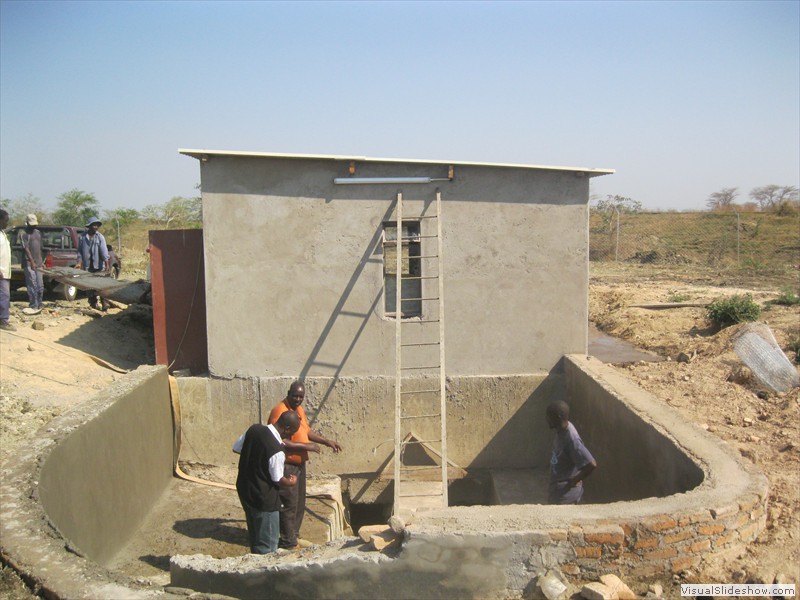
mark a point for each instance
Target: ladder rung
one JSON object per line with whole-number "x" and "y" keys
{"x": 420, "y": 344}
{"x": 407, "y": 442}
{"x": 419, "y": 495}
{"x": 420, "y": 416}
{"x": 409, "y": 322}
{"x": 350, "y": 313}
{"x": 427, "y": 217}
{"x": 421, "y": 391}
{"x": 412, "y": 368}
{"x": 422, "y": 468}
{"x": 416, "y": 278}
{"x": 418, "y": 299}
{"x": 426, "y": 256}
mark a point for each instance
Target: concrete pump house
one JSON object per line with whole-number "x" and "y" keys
{"x": 298, "y": 268}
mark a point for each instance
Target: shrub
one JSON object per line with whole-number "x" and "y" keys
{"x": 736, "y": 309}
{"x": 794, "y": 346}
{"x": 787, "y": 298}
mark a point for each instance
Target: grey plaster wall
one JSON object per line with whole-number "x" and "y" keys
{"x": 294, "y": 266}
{"x": 493, "y": 422}
{"x": 637, "y": 453}
{"x": 99, "y": 483}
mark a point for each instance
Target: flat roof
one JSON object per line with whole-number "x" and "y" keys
{"x": 198, "y": 154}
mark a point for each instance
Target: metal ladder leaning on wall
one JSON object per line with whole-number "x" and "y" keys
{"x": 420, "y": 409}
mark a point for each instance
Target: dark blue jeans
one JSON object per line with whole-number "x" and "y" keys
{"x": 263, "y": 528}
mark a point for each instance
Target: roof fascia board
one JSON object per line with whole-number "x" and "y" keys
{"x": 198, "y": 154}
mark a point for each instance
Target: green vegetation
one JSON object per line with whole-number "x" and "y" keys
{"x": 788, "y": 297}
{"x": 794, "y": 346}
{"x": 736, "y": 309}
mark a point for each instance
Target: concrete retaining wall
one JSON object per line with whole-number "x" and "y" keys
{"x": 73, "y": 495}
{"x": 498, "y": 551}
{"x": 493, "y": 422}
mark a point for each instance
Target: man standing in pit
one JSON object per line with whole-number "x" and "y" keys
{"x": 304, "y": 441}
{"x": 570, "y": 462}
{"x": 260, "y": 479}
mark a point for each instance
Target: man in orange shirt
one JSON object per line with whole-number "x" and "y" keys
{"x": 293, "y": 499}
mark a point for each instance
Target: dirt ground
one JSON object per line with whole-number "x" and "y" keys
{"x": 46, "y": 369}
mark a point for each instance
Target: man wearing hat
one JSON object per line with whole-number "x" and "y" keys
{"x": 93, "y": 256}
{"x": 31, "y": 239}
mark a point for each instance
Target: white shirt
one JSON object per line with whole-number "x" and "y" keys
{"x": 276, "y": 461}
{"x": 5, "y": 256}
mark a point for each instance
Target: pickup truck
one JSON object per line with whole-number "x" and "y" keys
{"x": 59, "y": 249}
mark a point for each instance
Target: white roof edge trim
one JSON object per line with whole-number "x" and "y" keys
{"x": 198, "y": 153}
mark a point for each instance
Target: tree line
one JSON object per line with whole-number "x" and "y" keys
{"x": 76, "y": 207}
{"x": 775, "y": 199}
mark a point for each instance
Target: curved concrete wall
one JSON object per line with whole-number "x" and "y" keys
{"x": 74, "y": 495}
{"x": 498, "y": 551}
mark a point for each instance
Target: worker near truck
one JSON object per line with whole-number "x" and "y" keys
{"x": 31, "y": 240}
{"x": 93, "y": 256}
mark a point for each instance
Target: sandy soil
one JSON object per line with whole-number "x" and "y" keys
{"x": 47, "y": 368}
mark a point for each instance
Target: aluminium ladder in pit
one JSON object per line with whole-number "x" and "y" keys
{"x": 421, "y": 350}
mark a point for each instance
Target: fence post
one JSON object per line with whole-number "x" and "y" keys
{"x": 616, "y": 247}
{"x": 738, "y": 235}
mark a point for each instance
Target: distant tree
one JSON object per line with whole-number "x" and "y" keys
{"x": 773, "y": 197}
{"x": 122, "y": 216}
{"x": 75, "y": 207}
{"x": 723, "y": 199}
{"x": 177, "y": 213}
{"x": 613, "y": 204}
{"x": 19, "y": 208}
{"x": 622, "y": 204}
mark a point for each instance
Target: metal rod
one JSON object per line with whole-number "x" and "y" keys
{"x": 368, "y": 180}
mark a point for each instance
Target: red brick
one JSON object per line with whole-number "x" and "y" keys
{"x": 749, "y": 532}
{"x": 724, "y": 511}
{"x": 679, "y": 536}
{"x": 614, "y": 539}
{"x": 710, "y": 529}
{"x": 699, "y": 517}
{"x": 726, "y": 539}
{"x": 681, "y": 564}
{"x": 570, "y": 569}
{"x": 661, "y": 553}
{"x": 558, "y": 535}
{"x": 631, "y": 557}
{"x": 740, "y": 521}
{"x": 660, "y": 523}
{"x": 588, "y": 551}
{"x": 700, "y": 546}
{"x": 651, "y": 542}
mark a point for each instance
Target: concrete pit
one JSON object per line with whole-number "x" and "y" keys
{"x": 665, "y": 497}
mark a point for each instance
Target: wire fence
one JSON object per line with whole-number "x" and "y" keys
{"x": 754, "y": 241}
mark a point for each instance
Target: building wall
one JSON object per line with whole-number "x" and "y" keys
{"x": 294, "y": 269}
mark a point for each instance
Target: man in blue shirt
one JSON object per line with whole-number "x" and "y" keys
{"x": 570, "y": 462}
{"x": 93, "y": 256}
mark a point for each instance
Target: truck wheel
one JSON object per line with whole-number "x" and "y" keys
{"x": 70, "y": 292}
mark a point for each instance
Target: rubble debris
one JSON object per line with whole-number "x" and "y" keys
{"x": 552, "y": 585}
{"x": 610, "y": 587}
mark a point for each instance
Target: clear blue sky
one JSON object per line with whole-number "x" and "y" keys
{"x": 681, "y": 98}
